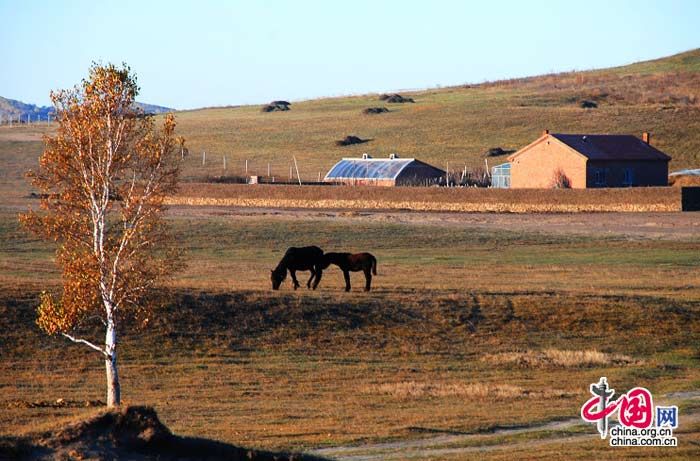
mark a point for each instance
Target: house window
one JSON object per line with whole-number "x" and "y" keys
{"x": 629, "y": 177}
{"x": 599, "y": 177}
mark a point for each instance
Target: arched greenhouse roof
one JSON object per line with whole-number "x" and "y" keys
{"x": 369, "y": 168}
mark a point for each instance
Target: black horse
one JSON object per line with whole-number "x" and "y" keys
{"x": 348, "y": 262}
{"x": 298, "y": 259}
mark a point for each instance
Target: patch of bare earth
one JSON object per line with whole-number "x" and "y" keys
{"x": 133, "y": 433}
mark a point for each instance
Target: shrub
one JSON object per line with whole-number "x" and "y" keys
{"x": 560, "y": 180}
{"x": 375, "y": 110}
{"x": 350, "y": 140}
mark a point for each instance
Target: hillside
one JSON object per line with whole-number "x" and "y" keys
{"x": 13, "y": 108}
{"x": 153, "y": 109}
{"x": 457, "y": 124}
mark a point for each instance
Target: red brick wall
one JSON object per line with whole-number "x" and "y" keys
{"x": 535, "y": 168}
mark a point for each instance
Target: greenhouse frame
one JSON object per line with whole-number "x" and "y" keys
{"x": 391, "y": 171}
{"x": 500, "y": 176}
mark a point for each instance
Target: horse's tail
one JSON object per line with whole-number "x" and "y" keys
{"x": 374, "y": 265}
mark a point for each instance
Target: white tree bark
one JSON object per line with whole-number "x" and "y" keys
{"x": 113, "y": 388}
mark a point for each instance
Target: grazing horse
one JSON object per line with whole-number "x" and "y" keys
{"x": 298, "y": 259}
{"x": 348, "y": 262}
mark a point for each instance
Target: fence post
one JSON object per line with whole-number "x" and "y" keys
{"x": 297, "y": 168}
{"x": 224, "y": 162}
{"x": 204, "y": 157}
{"x": 246, "y": 167}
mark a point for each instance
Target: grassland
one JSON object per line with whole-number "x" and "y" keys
{"x": 229, "y": 359}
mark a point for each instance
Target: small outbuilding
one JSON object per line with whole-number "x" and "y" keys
{"x": 392, "y": 171}
{"x": 588, "y": 160}
{"x": 500, "y": 176}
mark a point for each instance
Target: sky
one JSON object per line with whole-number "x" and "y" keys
{"x": 190, "y": 54}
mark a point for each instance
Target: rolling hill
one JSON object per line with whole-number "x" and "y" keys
{"x": 456, "y": 124}
{"x": 18, "y": 109}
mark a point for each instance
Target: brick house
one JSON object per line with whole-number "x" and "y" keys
{"x": 586, "y": 161}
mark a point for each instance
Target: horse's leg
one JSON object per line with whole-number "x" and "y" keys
{"x": 368, "y": 278}
{"x": 294, "y": 278}
{"x": 319, "y": 274}
{"x": 313, "y": 274}
{"x": 346, "y": 274}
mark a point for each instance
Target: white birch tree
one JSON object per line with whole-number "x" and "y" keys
{"x": 103, "y": 177}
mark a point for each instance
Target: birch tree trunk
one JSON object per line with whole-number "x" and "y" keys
{"x": 113, "y": 389}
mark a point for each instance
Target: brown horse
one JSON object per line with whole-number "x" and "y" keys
{"x": 298, "y": 259}
{"x": 348, "y": 262}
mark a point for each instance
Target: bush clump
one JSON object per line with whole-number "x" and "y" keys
{"x": 395, "y": 98}
{"x": 497, "y": 152}
{"x": 375, "y": 110}
{"x": 276, "y": 106}
{"x": 350, "y": 140}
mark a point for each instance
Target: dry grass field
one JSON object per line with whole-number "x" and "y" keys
{"x": 438, "y": 347}
{"x": 482, "y": 333}
{"x": 655, "y": 199}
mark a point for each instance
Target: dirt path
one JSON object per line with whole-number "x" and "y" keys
{"x": 443, "y": 445}
{"x": 667, "y": 226}
{"x": 657, "y": 225}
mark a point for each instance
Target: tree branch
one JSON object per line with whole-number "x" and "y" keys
{"x": 88, "y": 343}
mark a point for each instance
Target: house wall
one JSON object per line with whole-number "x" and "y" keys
{"x": 644, "y": 173}
{"x": 535, "y": 168}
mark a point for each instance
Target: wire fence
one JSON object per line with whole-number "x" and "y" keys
{"x": 26, "y": 119}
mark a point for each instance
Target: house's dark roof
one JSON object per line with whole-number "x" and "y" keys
{"x": 611, "y": 147}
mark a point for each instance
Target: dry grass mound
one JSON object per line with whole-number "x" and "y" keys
{"x": 133, "y": 433}
{"x": 498, "y": 152}
{"x": 375, "y": 110}
{"x": 276, "y": 106}
{"x": 395, "y": 98}
{"x": 474, "y": 391}
{"x": 350, "y": 140}
{"x": 559, "y": 358}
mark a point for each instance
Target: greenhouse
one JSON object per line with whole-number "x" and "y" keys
{"x": 392, "y": 171}
{"x": 500, "y": 176}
